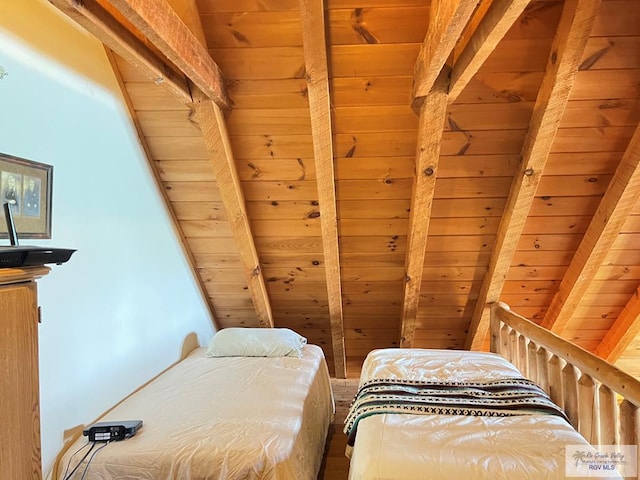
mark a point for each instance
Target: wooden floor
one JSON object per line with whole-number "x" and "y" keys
{"x": 335, "y": 466}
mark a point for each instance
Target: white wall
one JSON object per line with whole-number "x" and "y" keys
{"x": 117, "y": 313}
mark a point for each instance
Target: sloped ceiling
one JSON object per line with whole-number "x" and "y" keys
{"x": 376, "y": 173}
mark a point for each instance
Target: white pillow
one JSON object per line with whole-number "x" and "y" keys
{"x": 256, "y": 342}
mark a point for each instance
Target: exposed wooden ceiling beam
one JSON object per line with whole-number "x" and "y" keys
{"x": 622, "y": 332}
{"x": 447, "y": 19}
{"x": 495, "y": 22}
{"x": 612, "y": 212}
{"x": 430, "y": 130}
{"x": 315, "y": 59}
{"x": 164, "y": 28}
{"x": 90, "y": 15}
{"x": 216, "y": 137}
{"x": 566, "y": 52}
{"x": 212, "y": 124}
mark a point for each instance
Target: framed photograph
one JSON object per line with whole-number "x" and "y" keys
{"x": 26, "y": 186}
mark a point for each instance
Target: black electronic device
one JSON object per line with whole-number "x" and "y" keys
{"x": 112, "y": 431}
{"x": 28, "y": 256}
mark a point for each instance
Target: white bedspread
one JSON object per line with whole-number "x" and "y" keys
{"x": 411, "y": 447}
{"x": 222, "y": 418}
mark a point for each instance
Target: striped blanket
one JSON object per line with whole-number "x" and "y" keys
{"x": 497, "y": 398}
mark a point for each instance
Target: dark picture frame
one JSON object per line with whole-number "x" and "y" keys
{"x": 27, "y": 187}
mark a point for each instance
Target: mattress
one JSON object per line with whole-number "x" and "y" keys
{"x": 405, "y": 446}
{"x": 220, "y": 418}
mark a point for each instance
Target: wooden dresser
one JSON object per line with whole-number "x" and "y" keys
{"x": 19, "y": 392}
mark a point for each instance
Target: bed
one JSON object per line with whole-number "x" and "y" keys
{"x": 226, "y": 417}
{"x": 453, "y": 446}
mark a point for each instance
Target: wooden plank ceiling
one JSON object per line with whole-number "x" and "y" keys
{"x": 376, "y": 173}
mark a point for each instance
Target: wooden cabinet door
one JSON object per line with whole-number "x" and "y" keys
{"x": 19, "y": 393}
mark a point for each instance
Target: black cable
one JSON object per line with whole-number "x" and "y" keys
{"x": 71, "y": 457}
{"x": 90, "y": 459}
{"x": 80, "y": 462}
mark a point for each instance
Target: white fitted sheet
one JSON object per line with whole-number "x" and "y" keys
{"x": 409, "y": 447}
{"x": 222, "y": 418}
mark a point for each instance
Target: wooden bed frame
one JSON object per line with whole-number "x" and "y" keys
{"x": 601, "y": 401}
